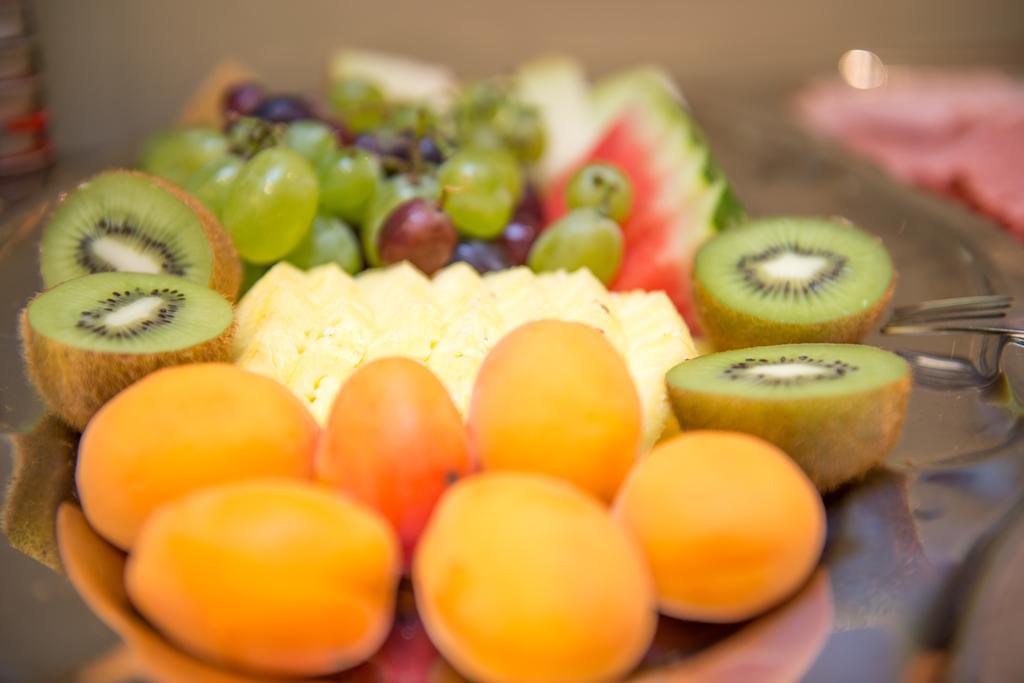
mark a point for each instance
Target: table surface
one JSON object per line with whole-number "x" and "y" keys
{"x": 919, "y": 555}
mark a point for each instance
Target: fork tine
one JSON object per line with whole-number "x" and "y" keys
{"x": 946, "y": 316}
{"x": 912, "y": 328}
{"x": 971, "y": 303}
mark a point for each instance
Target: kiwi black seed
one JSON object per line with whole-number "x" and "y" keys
{"x": 88, "y": 338}
{"x": 131, "y": 222}
{"x": 791, "y": 280}
{"x": 836, "y": 409}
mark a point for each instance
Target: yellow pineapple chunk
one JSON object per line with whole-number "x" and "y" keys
{"x": 471, "y": 324}
{"x": 257, "y": 303}
{"x": 406, "y": 320}
{"x": 518, "y": 297}
{"x": 656, "y": 339}
{"x": 580, "y": 297}
{"x": 312, "y": 330}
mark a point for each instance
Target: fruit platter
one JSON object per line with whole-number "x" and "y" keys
{"x": 419, "y": 379}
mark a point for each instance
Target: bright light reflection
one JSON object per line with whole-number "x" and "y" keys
{"x": 862, "y": 69}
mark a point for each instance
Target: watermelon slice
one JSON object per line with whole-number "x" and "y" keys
{"x": 680, "y": 196}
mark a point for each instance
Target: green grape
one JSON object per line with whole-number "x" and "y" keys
{"x": 212, "y": 182}
{"x": 483, "y": 169}
{"x": 314, "y": 140}
{"x": 602, "y": 186}
{"x": 177, "y": 155}
{"x": 348, "y": 181}
{"x": 481, "y": 187}
{"x": 522, "y": 129}
{"x": 583, "y": 238}
{"x": 389, "y": 195}
{"x": 488, "y": 114}
{"x": 480, "y": 213}
{"x": 271, "y": 205}
{"x": 249, "y": 135}
{"x": 359, "y": 102}
{"x": 330, "y": 240}
{"x": 414, "y": 118}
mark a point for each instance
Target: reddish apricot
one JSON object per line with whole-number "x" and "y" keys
{"x": 274, "y": 576}
{"x": 182, "y": 429}
{"x": 556, "y": 398}
{"x": 729, "y": 524}
{"x": 522, "y": 578}
{"x": 395, "y": 441}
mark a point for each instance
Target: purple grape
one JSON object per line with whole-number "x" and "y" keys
{"x": 483, "y": 255}
{"x": 384, "y": 145}
{"x": 530, "y": 209}
{"x": 399, "y": 146}
{"x": 283, "y": 109}
{"x": 417, "y": 231}
{"x": 341, "y": 133}
{"x": 243, "y": 99}
{"x": 517, "y": 238}
{"x": 430, "y": 152}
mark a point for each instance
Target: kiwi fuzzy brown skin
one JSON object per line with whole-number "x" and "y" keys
{"x": 75, "y": 383}
{"x": 730, "y": 329}
{"x": 43, "y": 478}
{"x": 226, "y": 268}
{"x": 833, "y": 441}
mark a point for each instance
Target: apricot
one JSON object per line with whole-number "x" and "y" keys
{"x": 182, "y": 429}
{"x": 522, "y": 578}
{"x": 274, "y": 576}
{"x": 729, "y": 524}
{"x": 556, "y": 398}
{"x": 394, "y": 441}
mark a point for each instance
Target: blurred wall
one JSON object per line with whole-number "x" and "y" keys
{"x": 118, "y": 68}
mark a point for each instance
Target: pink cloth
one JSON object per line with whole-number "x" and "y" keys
{"x": 959, "y": 133}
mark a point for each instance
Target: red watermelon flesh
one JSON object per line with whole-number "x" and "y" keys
{"x": 676, "y": 197}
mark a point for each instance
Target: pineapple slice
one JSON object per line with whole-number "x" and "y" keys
{"x": 337, "y": 346}
{"x": 275, "y": 321}
{"x": 312, "y": 330}
{"x": 406, "y": 319}
{"x": 656, "y": 340}
{"x": 454, "y": 286}
{"x": 471, "y": 325}
{"x": 580, "y": 297}
{"x": 257, "y": 304}
{"x": 518, "y": 297}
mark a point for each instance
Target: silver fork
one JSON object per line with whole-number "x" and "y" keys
{"x": 988, "y": 314}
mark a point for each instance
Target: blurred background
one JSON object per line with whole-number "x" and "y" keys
{"x": 116, "y": 69}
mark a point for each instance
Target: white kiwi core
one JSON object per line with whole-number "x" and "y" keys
{"x": 794, "y": 267}
{"x": 122, "y": 257}
{"x": 788, "y": 371}
{"x": 142, "y": 309}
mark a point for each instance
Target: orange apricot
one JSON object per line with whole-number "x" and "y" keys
{"x": 522, "y": 578}
{"x": 273, "y": 576}
{"x": 729, "y": 524}
{"x": 182, "y": 429}
{"x": 394, "y": 441}
{"x": 556, "y": 398}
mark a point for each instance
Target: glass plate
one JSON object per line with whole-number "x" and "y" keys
{"x": 913, "y": 573}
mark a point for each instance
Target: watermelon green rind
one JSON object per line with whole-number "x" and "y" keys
{"x": 651, "y": 90}
{"x": 681, "y": 196}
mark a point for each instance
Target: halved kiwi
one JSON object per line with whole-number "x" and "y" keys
{"x": 132, "y": 222}
{"x": 791, "y": 280}
{"x": 836, "y": 409}
{"x": 89, "y": 338}
{"x": 43, "y": 478}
